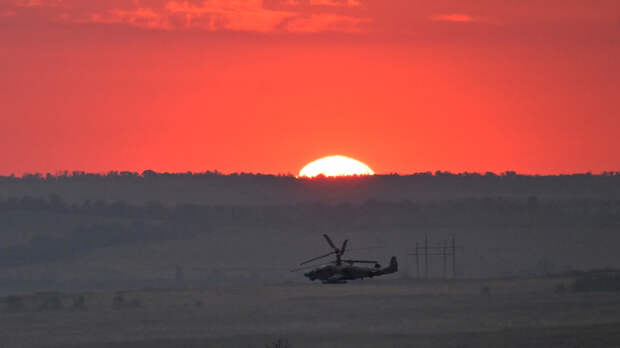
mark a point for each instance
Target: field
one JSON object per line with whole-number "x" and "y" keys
{"x": 203, "y": 260}
{"x": 536, "y": 312}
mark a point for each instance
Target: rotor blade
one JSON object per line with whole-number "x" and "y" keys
{"x": 344, "y": 246}
{"x": 232, "y": 269}
{"x": 330, "y": 241}
{"x": 318, "y": 257}
{"x": 367, "y": 248}
{"x": 359, "y": 261}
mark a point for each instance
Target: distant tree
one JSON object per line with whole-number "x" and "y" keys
{"x": 560, "y": 288}
{"x": 156, "y": 210}
{"x": 14, "y": 303}
{"x": 118, "y": 301}
{"x": 179, "y": 275}
{"x": 87, "y": 206}
{"x": 100, "y": 207}
{"x": 279, "y": 343}
{"x": 57, "y": 203}
{"x": 545, "y": 266}
{"x": 532, "y": 205}
{"x": 135, "y": 303}
{"x": 79, "y": 303}
{"x": 12, "y": 203}
{"x": 118, "y": 208}
{"x": 51, "y": 303}
{"x": 32, "y": 203}
{"x": 149, "y": 173}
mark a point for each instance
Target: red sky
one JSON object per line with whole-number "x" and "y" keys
{"x": 267, "y": 86}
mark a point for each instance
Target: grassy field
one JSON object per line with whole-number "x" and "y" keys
{"x": 382, "y": 313}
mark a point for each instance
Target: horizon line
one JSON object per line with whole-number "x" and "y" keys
{"x": 147, "y": 172}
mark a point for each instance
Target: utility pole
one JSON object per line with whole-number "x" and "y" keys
{"x": 426, "y": 256}
{"x": 417, "y": 259}
{"x": 444, "y": 253}
{"x": 446, "y": 249}
{"x": 453, "y": 257}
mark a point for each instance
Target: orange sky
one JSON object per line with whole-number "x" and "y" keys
{"x": 267, "y": 86}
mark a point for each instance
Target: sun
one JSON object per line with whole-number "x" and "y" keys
{"x": 335, "y": 166}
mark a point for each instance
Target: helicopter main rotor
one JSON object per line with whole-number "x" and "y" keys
{"x": 338, "y": 252}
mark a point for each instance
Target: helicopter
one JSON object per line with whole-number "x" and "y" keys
{"x": 339, "y": 270}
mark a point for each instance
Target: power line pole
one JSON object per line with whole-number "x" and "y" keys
{"x": 417, "y": 259}
{"x": 426, "y": 256}
{"x": 444, "y": 253}
{"x": 446, "y": 249}
{"x": 453, "y": 257}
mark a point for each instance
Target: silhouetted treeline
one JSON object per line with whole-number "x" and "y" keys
{"x": 258, "y": 189}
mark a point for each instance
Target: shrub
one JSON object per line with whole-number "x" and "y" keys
{"x": 118, "y": 301}
{"x": 560, "y": 288}
{"x": 598, "y": 281}
{"x": 280, "y": 343}
{"x": 14, "y": 303}
{"x": 79, "y": 303}
{"x": 51, "y": 303}
{"x": 135, "y": 303}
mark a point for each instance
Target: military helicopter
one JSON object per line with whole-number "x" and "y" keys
{"x": 339, "y": 270}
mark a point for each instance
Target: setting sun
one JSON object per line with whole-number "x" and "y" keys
{"x": 335, "y": 166}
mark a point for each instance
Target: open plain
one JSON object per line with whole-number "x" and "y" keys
{"x": 535, "y": 312}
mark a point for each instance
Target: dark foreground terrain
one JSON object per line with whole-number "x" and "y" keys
{"x": 536, "y": 312}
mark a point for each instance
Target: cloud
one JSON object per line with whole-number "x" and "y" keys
{"x": 326, "y": 22}
{"x": 235, "y": 15}
{"x": 140, "y": 18}
{"x": 337, "y": 3}
{"x": 390, "y": 17}
{"x": 452, "y": 17}
{"x": 38, "y": 3}
{"x": 8, "y": 13}
{"x": 208, "y": 15}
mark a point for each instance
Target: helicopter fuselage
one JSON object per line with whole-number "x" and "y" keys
{"x": 338, "y": 274}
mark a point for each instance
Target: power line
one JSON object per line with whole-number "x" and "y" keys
{"x": 446, "y": 249}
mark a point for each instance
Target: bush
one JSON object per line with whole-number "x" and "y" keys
{"x": 598, "y": 281}
{"x": 51, "y": 303}
{"x": 560, "y": 288}
{"x": 14, "y": 303}
{"x": 79, "y": 303}
{"x": 118, "y": 301}
{"x": 135, "y": 303}
{"x": 280, "y": 343}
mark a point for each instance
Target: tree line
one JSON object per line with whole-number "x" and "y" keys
{"x": 258, "y": 189}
